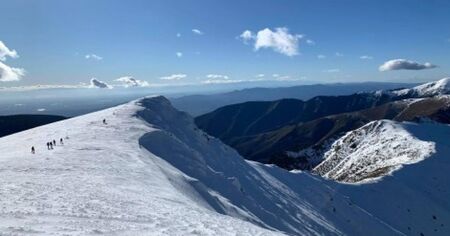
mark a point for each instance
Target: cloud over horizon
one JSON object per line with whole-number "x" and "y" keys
{"x": 403, "y": 64}
{"x": 95, "y": 83}
{"x": 129, "y": 81}
{"x": 279, "y": 40}
{"x": 174, "y": 77}
{"x": 219, "y": 79}
{"x": 8, "y": 73}
{"x": 217, "y": 76}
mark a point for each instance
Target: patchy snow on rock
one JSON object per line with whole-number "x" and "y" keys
{"x": 371, "y": 152}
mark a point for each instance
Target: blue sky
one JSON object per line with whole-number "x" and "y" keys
{"x": 139, "y": 39}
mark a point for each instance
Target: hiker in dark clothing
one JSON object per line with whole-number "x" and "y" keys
{"x": 104, "y": 121}
{"x": 61, "y": 141}
{"x": 32, "y": 149}
{"x": 48, "y": 146}
{"x": 51, "y": 145}
{"x": 54, "y": 142}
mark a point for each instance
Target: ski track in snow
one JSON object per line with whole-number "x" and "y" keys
{"x": 149, "y": 171}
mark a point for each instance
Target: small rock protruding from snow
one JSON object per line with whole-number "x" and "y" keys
{"x": 371, "y": 152}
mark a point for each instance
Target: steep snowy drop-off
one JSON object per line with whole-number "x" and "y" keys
{"x": 371, "y": 152}
{"x": 150, "y": 171}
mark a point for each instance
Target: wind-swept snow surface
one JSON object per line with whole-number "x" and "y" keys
{"x": 150, "y": 171}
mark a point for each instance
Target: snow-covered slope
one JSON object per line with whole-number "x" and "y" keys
{"x": 434, "y": 88}
{"x": 150, "y": 171}
{"x": 372, "y": 151}
{"x": 101, "y": 181}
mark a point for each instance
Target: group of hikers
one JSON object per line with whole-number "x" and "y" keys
{"x": 52, "y": 143}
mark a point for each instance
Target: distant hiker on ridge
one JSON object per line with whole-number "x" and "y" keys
{"x": 61, "y": 141}
{"x": 48, "y": 146}
{"x": 104, "y": 121}
{"x": 51, "y": 145}
{"x": 32, "y": 149}
{"x": 54, "y": 142}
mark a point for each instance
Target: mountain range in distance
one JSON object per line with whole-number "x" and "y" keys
{"x": 197, "y": 105}
{"x": 294, "y": 134}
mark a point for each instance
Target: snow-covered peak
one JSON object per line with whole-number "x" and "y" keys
{"x": 371, "y": 152}
{"x": 434, "y": 88}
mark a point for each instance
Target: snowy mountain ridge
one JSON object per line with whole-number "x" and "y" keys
{"x": 371, "y": 152}
{"x": 439, "y": 87}
{"x": 150, "y": 171}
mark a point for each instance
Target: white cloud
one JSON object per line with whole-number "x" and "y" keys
{"x": 8, "y": 73}
{"x": 365, "y": 57}
{"x": 6, "y": 52}
{"x": 403, "y": 64}
{"x": 338, "y": 54}
{"x": 197, "y": 31}
{"x": 179, "y": 54}
{"x": 95, "y": 83}
{"x": 178, "y": 35}
{"x": 129, "y": 81}
{"x": 275, "y": 75}
{"x": 174, "y": 77}
{"x": 310, "y": 42}
{"x": 259, "y": 75}
{"x": 221, "y": 81}
{"x": 332, "y": 70}
{"x": 320, "y": 56}
{"x": 247, "y": 36}
{"x": 217, "y": 76}
{"x": 41, "y": 109}
{"x": 280, "y": 40}
{"x": 93, "y": 57}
